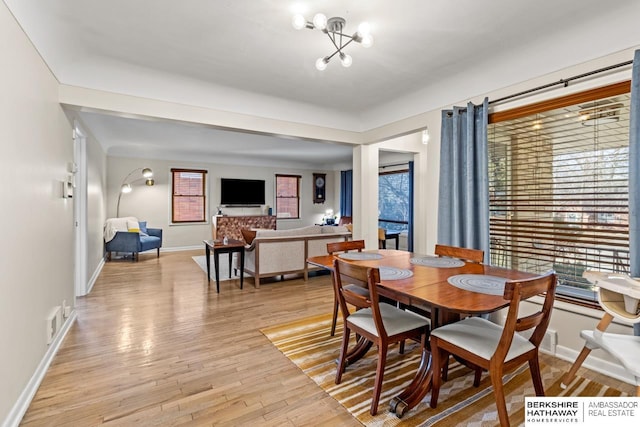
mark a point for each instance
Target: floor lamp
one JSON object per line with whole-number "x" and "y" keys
{"x": 147, "y": 175}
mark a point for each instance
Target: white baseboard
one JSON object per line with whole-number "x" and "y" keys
{"x": 182, "y": 248}
{"x": 22, "y": 404}
{"x": 94, "y": 276}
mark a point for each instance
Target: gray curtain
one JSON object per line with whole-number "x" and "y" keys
{"x": 463, "y": 201}
{"x": 634, "y": 174}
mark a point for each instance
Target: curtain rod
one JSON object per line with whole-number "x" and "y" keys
{"x": 564, "y": 82}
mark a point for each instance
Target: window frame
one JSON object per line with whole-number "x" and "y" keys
{"x": 297, "y": 197}
{"x": 203, "y": 196}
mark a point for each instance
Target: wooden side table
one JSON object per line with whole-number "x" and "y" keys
{"x": 218, "y": 248}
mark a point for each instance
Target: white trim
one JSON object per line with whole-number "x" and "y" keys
{"x": 80, "y": 210}
{"x": 182, "y": 248}
{"x": 22, "y": 404}
{"x": 94, "y": 276}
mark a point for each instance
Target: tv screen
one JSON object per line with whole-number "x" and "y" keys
{"x": 241, "y": 191}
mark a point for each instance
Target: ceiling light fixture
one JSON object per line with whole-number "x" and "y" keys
{"x": 333, "y": 28}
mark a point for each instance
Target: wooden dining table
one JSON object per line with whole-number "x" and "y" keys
{"x": 427, "y": 287}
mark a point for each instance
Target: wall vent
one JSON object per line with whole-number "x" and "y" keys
{"x": 54, "y": 322}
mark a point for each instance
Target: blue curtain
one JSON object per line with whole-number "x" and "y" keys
{"x": 346, "y": 193}
{"x": 410, "y": 219}
{"x": 463, "y": 201}
{"x": 634, "y": 174}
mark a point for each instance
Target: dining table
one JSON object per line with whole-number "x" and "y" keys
{"x": 440, "y": 286}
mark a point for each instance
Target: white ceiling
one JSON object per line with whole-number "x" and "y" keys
{"x": 243, "y": 56}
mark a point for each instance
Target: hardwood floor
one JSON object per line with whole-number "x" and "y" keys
{"x": 154, "y": 345}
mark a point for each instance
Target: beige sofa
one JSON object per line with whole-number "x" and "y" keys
{"x": 279, "y": 252}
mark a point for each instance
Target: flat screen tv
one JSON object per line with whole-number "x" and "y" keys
{"x": 241, "y": 192}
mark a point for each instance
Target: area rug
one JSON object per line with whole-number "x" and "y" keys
{"x": 309, "y": 346}
{"x": 224, "y": 266}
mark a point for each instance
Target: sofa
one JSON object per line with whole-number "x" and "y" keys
{"x": 271, "y": 253}
{"x": 130, "y": 236}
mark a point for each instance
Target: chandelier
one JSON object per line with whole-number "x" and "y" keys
{"x": 333, "y": 28}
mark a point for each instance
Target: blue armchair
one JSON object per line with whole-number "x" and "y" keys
{"x": 134, "y": 242}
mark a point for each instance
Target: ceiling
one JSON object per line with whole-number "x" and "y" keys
{"x": 244, "y": 56}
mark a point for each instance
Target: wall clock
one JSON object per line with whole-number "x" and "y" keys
{"x": 319, "y": 187}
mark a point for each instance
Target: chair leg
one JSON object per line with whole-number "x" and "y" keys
{"x": 158, "y": 252}
{"x": 498, "y": 391}
{"x": 377, "y": 387}
{"x": 335, "y": 317}
{"x": 343, "y": 354}
{"x": 534, "y": 367}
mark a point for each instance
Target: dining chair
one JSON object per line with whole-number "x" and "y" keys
{"x": 376, "y": 323}
{"x": 498, "y": 349}
{"x": 465, "y": 254}
{"x": 345, "y": 246}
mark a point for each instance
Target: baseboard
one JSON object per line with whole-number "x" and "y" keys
{"x": 22, "y": 404}
{"x": 182, "y": 248}
{"x": 602, "y": 366}
{"x": 94, "y": 276}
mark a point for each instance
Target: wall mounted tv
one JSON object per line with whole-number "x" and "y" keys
{"x": 241, "y": 192}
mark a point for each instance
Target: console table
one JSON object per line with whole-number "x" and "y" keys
{"x": 230, "y": 226}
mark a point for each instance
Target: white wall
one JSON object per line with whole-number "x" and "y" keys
{"x": 153, "y": 203}
{"x": 96, "y": 206}
{"x": 36, "y": 257}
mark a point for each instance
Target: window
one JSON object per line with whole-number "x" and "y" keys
{"x": 393, "y": 200}
{"x": 188, "y": 195}
{"x": 288, "y": 196}
{"x": 558, "y": 186}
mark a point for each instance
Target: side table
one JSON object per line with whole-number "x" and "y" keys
{"x": 218, "y": 248}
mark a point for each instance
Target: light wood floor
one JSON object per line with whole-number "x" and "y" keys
{"x": 154, "y": 345}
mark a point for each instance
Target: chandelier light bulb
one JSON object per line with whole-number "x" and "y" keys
{"x": 320, "y": 21}
{"x": 364, "y": 29}
{"x": 299, "y": 22}
{"x": 367, "y": 40}
{"x": 346, "y": 60}
{"x": 321, "y": 64}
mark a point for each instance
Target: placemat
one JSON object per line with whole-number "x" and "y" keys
{"x": 359, "y": 256}
{"x": 440, "y": 262}
{"x": 392, "y": 273}
{"x": 481, "y": 283}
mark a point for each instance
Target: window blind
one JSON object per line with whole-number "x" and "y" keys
{"x": 558, "y": 184}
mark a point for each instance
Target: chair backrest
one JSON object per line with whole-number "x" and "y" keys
{"x": 345, "y": 273}
{"x": 345, "y": 246}
{"x": 465, "y": 254}
{"x": 518, "y": 290}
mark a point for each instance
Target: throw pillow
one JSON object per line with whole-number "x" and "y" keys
{"x": 143, "y": 228}
{"x": 349, "y": 227}
{"x": 248, "y": 235}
